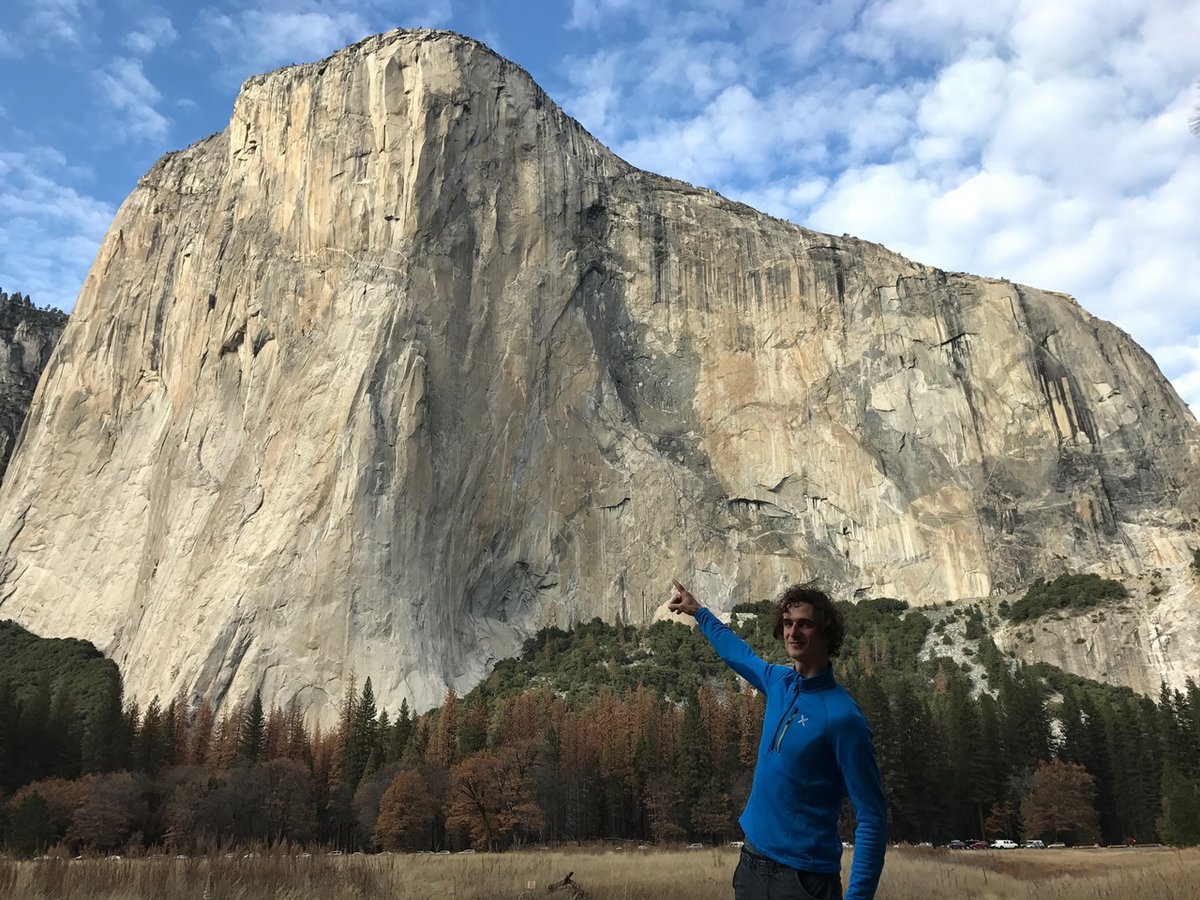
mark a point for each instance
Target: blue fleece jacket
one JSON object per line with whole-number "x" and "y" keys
{"x": 815, "y": 749}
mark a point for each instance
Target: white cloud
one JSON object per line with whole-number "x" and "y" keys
{"x": 56, "y": 22}
{"x": 49, "y": 231}
{"x": 47, "y": 24}
{"x": 593, "y": 13}
{"x": 258, "y": 40}
{"x": 597, "y": 91}
{"x": 695, "y": 69}
{"x": 155, "y": 33}
{"x": 1057, "y": 36}
{"x": 956, "y": 114}
{"x": 124, "y": 86}
{"x": 271, "y": 33}
{"x": 923, "y": 29}
{"x": 1181, "y": 363}
{"x": 730, "y": 135}
{"x": 786, "y": 201}
{"x": 881, "y": 203}
{"x": 1038, "y": 140}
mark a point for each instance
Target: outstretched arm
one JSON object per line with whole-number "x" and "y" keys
{"x": 732, "y": 649}
{"x": 856, "y": 756}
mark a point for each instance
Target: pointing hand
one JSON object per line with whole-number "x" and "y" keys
{"x": 683, "y": 601}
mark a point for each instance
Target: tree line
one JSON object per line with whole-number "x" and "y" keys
{"x": 605, "y": 732}
{"x": 16, "y": 307}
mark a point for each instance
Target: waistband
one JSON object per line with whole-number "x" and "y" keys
{"x": 763, "y": 863}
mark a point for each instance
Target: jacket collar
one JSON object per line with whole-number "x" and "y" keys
{"x": 822, "y": 681}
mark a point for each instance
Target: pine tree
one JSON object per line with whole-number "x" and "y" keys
{"x": 916, "y": 804}
{"x": 548, "y": 786}
{"x": 1181, "y": 767}
{"x": 1135, "y": 751}
{"x": 1181, "y": 808}
{"x": 252, "y": 730}
{"x": 104, "y": 745}
{"x": 223, "y": 748}
{"x": 299, "y": 747}
{"x": 968, "y": 778}
{"x": 472, "y": 730}
{"x": 200, "y": 743}
{"x": 361, "y": 741}
{"x": 9, "y": 747}
{"x": 693, "y": 765}
{"x": 181, "y": 727}
{"x": 345, "y": 721}
{"x": 31, "y": 828}
{"x": 275, "y": 738}
{"x": 63, "y": 752}
{"x": 400, "y": 734}
{"x": 34, "y": 735}
{"x": 152, "y": 743}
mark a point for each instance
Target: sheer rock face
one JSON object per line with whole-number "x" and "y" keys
{"x": 27, "y": 337}
{"x": 1141, "y": 642}
{"x": 404, "y": 365}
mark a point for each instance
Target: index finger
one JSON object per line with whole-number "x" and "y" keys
{"x": 678, "y": 586}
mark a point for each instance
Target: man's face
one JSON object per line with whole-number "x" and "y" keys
{"x": 803, "y": 639}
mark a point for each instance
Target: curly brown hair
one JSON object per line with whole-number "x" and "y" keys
{"x": 827, "y": 616}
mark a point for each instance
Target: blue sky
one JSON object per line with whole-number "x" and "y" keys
{"x": 1044, "y": 141}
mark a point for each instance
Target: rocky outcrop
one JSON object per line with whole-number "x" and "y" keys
{"x": 1141, "y": 642}
{"x": 27, "y": 335}
{"x": 403, "y": 365}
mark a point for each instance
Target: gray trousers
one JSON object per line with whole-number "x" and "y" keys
{"x": 759, "y": 878}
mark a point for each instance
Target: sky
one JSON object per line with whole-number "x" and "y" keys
{"x": 1043, "y": 141}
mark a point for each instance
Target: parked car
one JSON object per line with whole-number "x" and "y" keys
{"x": 1004, "y": 844}
{"x": 1034, "y": 845}
{"x": 957, "y": 845}
{"x": 979, "y": 845}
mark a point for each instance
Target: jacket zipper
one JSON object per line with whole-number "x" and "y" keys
{"x": 782, "y": 727}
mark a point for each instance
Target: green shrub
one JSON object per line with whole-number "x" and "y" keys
{"x": 1070, "y": 593}
{"x": 974, "y": 628}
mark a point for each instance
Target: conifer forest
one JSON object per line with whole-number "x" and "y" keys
{"x": 605, "y": 732}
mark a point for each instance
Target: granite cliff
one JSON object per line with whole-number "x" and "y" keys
{"x": 403, "y": 365}
{"x": 27, "y": 336}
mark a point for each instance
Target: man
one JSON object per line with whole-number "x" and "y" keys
{"x": 815, "y": 749}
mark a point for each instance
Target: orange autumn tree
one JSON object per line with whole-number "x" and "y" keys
{"x": 1060, "y": 801}
{"x": 405, "y": 812}
{"x": 443, "y": 739}
{"x": 492, "y": 797}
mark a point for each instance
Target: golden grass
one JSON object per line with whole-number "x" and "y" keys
{"x": 605, "y": 873}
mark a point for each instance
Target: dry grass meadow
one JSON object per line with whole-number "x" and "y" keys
{"x": 604, "y": 873}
